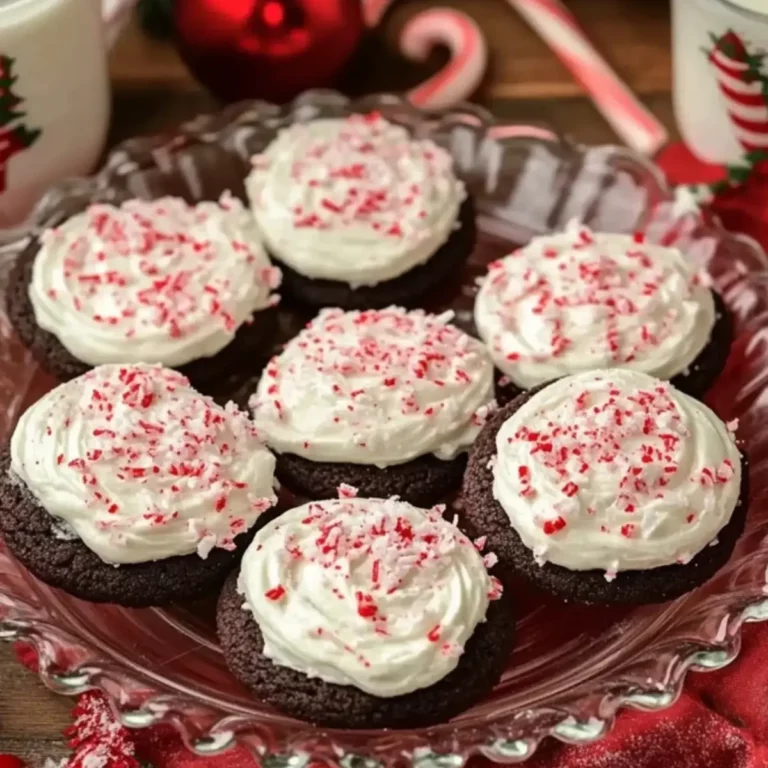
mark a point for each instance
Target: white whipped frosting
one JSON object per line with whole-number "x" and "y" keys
{"x": 155, "y": 281}
{"x": 372, "y": 593}
{"x": 356, "y": 200}
{"x": 375, "y": 387}
{"x": 616, "y": 470}
{"x": 140, "y": 466}
{"x": 579, "y": 301}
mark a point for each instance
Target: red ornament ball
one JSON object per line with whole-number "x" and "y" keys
{"x": 267, "y": 49}
{"x": 11, "y": 761}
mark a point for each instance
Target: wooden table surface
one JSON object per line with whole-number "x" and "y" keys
{"x": 525, "y": 82}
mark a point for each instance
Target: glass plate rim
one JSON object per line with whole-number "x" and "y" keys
{"x": 18, "y": 620}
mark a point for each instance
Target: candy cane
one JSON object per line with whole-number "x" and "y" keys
{"x": 469, "y": 53}
{"x": 469, "y": 56}
{"x": 639, "y": 129}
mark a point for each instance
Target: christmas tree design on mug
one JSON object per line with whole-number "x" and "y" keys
{"x": 15, "y": 137}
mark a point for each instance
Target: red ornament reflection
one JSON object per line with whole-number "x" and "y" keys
{"x": 270, "y": 49}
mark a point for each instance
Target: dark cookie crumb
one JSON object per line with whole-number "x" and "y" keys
{"x": 483, "y": 515}
{"x": 67, "y": 563}
{"x": 423, "y": 482}
{"x": 340, "y": 706}
{"x": 244, "y": 356}
{"x": 405, "y": 290}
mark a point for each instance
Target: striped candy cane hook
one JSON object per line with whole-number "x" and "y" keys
{"x": 469, "y": 53}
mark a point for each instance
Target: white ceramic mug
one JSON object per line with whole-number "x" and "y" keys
{"x": 720, "y": 84}
{"x": 54, "y": 94}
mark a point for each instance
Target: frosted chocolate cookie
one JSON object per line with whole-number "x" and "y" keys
{"x": 608, "y": 487}
{"x": 358, "y": 213}
{"x": 387, "y": 401}
{"x": 127, "y": 486}
{"x": 579, "y": 301}
{"x": 162, "y": 281}
{"x": 365, "y": 613}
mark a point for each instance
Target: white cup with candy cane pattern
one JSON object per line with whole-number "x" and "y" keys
{"x": 721, "y": 76}
{"x": 54, "y": 94}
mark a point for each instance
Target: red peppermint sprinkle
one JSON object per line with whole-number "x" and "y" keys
{"x": 276, "y": 593}
{"x": 366, "y": 607}
{"x": 347, "y": 491}
{"x": 551, "y": 527}
{"x": 570, "y": 489}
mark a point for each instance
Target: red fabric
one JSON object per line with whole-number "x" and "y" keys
{"x": 682, "y": 167}
{"x": 741, "y": 208}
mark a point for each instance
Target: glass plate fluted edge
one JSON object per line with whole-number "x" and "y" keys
{"x": 573, "y": 668}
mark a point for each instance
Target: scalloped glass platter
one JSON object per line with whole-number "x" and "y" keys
{"x": 573, "y": 667}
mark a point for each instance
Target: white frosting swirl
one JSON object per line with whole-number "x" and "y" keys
{"x": 616, "y": 470}
{"x": 155, "y": 281}
{"x": 366, "y": 592}
{"x": 356, "y": 200}
{"x": 579, "y": 301}
{"x": 141, "y": 466}
{"x": 375, "y": 387}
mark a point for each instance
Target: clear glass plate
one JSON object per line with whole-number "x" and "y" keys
{"x": 573, "y": 667}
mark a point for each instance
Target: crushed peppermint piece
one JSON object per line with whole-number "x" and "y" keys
{"x": 276, "y": 593}
{"x": 347, "y": 491}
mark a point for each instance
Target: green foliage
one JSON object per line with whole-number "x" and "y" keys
{"x": 25, "y": 136}
{"x": 9, "y": 103}
{"x": 739, "y": 173}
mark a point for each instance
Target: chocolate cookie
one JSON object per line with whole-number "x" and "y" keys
{"x": 64, "y": 561}
{"x": 219, "y": 375}
{"x": 425, "y": 481}
{"x": 406, "y": 290}
{"x": 341, "y": 706}
{"x": 113, "y": 487}
{"x": 483, "y": 515}
{"x": 374, "y": 399}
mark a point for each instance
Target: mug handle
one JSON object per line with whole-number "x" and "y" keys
{"x": 115, "y": 14}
